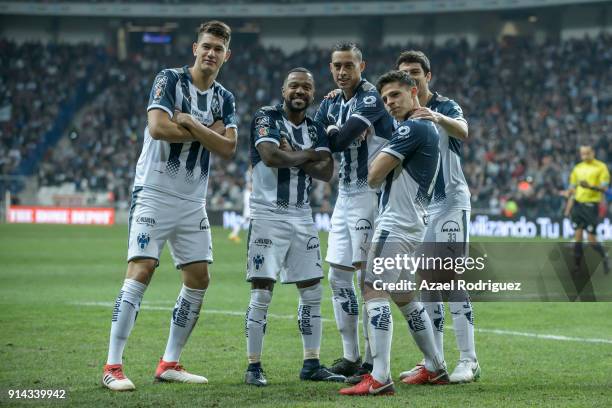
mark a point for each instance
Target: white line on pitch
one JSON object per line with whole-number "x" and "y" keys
{"x": 292, "y": 317}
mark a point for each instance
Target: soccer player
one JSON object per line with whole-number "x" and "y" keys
{"x": 406, "y": 168}
{"x": 357, "y": 125}
{"x": 449, "y": 214}
{"x": 588, "y": 181}
{"x": 190, "y": 116}
{"x": 288, "y": 149}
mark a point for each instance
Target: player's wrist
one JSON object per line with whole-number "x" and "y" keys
{"x": 332, "y": 128}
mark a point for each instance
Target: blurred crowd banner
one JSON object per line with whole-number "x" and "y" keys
{"x": 60, "y": 215}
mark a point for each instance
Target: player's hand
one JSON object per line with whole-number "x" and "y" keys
{"x": 366, "y": 133}
{"x": 181, "y": 118}
{"x": 218, "y": 127}
{"x": 332, "y": 94}
{"x": 285, "y": 145}
{"x": 425, "y": 113}
{"x": 584, "y": 184}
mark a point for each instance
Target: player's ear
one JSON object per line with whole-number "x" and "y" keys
{"x": 428, "y": 76}
{"x": 194, "y": 48}
{"x": 228, "y": 54}
{"x": 362, "y": 66}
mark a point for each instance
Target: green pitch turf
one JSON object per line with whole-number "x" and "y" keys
{"x": 57, "y": 284}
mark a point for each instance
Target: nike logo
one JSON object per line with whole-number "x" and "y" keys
{"x": 380, "y": 389}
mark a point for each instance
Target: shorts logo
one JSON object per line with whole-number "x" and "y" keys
{"x": 204, "y": 224}
{"x": 313, "y": 243}
{"x": 159, "y": 87}
{"x": 258, "y": 260}
{"x": 382, "y": 320}
{"x": 148, "y": 221}
{"x": 363, "y": 225}
{"x": 143, "y": 240}
{"x": 451, "y": 226}
{"x": 263, "y": 242}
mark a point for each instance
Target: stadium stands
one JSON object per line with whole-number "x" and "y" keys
{"x": 528, "y": 106}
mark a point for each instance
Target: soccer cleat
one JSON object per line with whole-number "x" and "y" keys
{"x": 465, "y": 372}
{"x": 320, "y": 373}
{"x": 417, "y": 367}
{"x": 345, "y": 367}
{"x": 255, "y": 377}
{"x": 234, "y": 238}
{"x": 369, "y": 386}
{"x": 358, "y": 376}
{"x": 422, "y": 376}
{"x": 113, "y": 378}
{"x": 174, "y": 372}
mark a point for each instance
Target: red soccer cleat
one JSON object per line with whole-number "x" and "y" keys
{"x": 114, "y": 379}
{"x": 422, "y": 376}
{"x": 369, "y": 386}
{"x": 174, "y": 372}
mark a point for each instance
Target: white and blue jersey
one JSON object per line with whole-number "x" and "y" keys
{"x": 451, "y": 190}
{"x": 181, "y": 169}
{"x": 282, "y": 191}
{"x": 408, "y": 189}
{"x": 366, "y": 105}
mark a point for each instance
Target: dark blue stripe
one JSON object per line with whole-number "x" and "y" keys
{"x": 282, "y": 188}
{"x": 384, "y": 234}
{"x": 186, "y": 102}
{"x": 301, "y": 187}
{"x": 204, "y": 163}
{"x": 454, "y": 145}
{"x": 203, "y": 102}
{"x": 173, "y": 163}
{"x": 362, "y": 163}
{"x": 297, "y": 135}
{"x": 192, "y": 158}
{"x": 347, "y": 167}
{"x": 387, "y": 192}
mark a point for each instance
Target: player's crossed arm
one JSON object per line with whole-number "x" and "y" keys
{"x": 273, "y": 156}
{"x": 322, "y": 169}
{"x": 223, "y": 145}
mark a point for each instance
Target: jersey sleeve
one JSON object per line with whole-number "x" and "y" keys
{"x": 452, "y": 110}
{"x": 322, "y": 143}
{"x": 604, "y": 177}
{"x": 403, "y": 142}
{"x": 162, "y": 94}
{"x": 321, "y": 115}
{"x": 229, "y": 111}
{"x": 369, "y": 107}
{"x": 263, "y": 129}
{"x": 573, "y": 180}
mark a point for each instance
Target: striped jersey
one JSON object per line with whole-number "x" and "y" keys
{"x": 181, "y": 169}
{"x": 366, "y": 105}
{"x": 455, "y": 192}
{"x": 408, "y": 189}
{"x": 282, "y": 191}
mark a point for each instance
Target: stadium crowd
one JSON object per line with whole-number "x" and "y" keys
{"x": 528, "y": 106}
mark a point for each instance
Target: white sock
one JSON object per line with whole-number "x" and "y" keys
{"x": 184, "y": 317}
{"x": 309, "y": 320}
{"x": 463, "y": 323}
{"x": 435, "y": 312}
{"x": 367, "y": 358}
{"x": 124, "y": 315}
{"x": 255, "y": 323}
{"x": 346, "y": 310}
{"x": 422, "y": 332}
{"x": 236, "y": 229}
{"x": 380, "y": 327}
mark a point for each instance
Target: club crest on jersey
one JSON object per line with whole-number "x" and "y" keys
{"x": 158, "y": 87}
{"x": 258, "y": 261}
{"x": 263, "y": 131}
{"x": 143, "y": 240}
{"x": 363, "y": 225}
{"x": 313, "y": 243}
{"x": 215, "y": 108}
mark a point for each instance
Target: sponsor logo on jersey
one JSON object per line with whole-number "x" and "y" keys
{"x": 369, "y": 101}
{"x": 143, "y": 240}
{"x": 403, "y": 130}
{"x": 159, "y": 87}
{"x": 148, "y": 221}
{"x": 258, "y": 261}
{"x": 204, "y": 225}
{"x": 313, "y": 243}
{"x": 363, "y": 225}
{"x": 263, "y": 131}
{"x": 450, "y": 226}
{"x": 263, "y": 242}
{"x": 262, "y": 121}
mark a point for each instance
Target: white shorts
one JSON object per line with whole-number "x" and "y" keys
{"x": 352, "y": 225}
{"x": 156, "y": 217}
{"x": 448, "y": 233}
{"x": 290, "y": 248}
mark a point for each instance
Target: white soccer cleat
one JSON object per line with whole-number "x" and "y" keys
{"x": 465, "y": 372}
{"x": 174, "y": 372}
{"x": 416, "y": 368}
{"x": 113, "y": 378}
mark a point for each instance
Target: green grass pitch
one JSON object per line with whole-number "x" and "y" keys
{"x": 57, "y": 284}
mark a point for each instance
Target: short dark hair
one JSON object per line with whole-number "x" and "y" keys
{"x": 348, "y": 46}
{"x": 407, "y": 57}
{"x": 299, "y": 69}
{"x": 395, "y": 76}
{"x": 216, "y": 28}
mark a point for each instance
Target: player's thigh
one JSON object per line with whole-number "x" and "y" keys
{"x": 360, "y": 219}
{"x": 339, "y": 250}
{"x": 269, "y": 241}
{"x": 190, "y": 241}
{"x": 151, "y": 222}
{"x": 303, "y": 262}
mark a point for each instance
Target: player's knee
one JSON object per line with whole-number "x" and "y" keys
{"x": 311, "y": 295}
{"x": 141, "y": 270}
{"x": 260, "y": 299}
{"x": 340, "y": 278}
{"x": 263, "y": 284}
